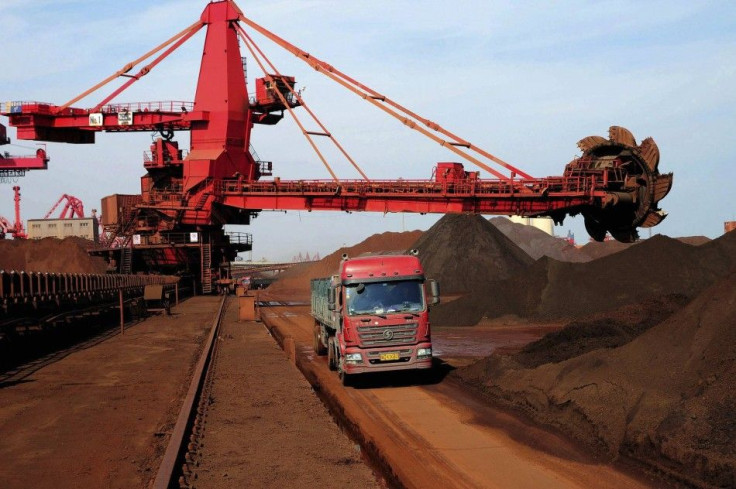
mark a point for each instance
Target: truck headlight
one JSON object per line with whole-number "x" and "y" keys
{"x": 354, "y": 358}
{"x": 424, "y": 352}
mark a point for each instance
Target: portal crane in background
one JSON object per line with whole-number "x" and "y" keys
{"x": 74, "y": 207}
{"x": 16, "y": 228}
{"x": 188, "y": 196}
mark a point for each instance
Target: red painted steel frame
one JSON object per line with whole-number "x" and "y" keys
{"x": 21, "y": 163}
{"x": 219, "y": 177}
{"x": 522, "y": 197}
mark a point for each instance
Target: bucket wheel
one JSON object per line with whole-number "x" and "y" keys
{"x": 632, "y": 204}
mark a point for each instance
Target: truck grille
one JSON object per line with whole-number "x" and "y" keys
{"x": 387, "y": 335}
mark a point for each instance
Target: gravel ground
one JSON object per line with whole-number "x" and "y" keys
{"x": 100, "y": 417}
{"x": 265, "y": 426}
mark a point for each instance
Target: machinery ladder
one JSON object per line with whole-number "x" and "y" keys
{"x": 202, "y": 201}
{"x": 126, "y": 260}
{"x": 206, "y": 268}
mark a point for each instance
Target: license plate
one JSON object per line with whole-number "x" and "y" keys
{"x": 387, "y": 357}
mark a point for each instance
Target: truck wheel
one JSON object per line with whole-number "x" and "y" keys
{"x": 319, "y": 348}
{"x": 331, "y": 363}
{"x": 345, "y": 379}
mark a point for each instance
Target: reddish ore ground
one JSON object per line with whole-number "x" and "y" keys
{"x": 663, "y": 396}
{"x": 265, "y": 426}
{"x": 643, "y": 369}
{"x": 101, "y": 416}
{"x": 67, "y": 255}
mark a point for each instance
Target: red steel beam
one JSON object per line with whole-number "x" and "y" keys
{"x": 498, "y": 205}
{"x": 45, "y": 122}
{"x": 22, "y": 163}
{"x": 525, "y": 197}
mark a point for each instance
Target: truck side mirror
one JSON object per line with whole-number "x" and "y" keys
{"x": 434, "y": 290}
{"x": 331, "y": 299}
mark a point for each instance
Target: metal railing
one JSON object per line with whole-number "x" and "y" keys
{"x": 21, "y": 287}
{"x": 180, "y": 238}
{"x": 169, "y": 194}
{"x": 16, "y": 106}
{"x": 240, "y": 238}
{"x": 175, "y": 106}
{"x": 148, "y": 156}
{"x": 169, "y": 106}
{"x": 581, "y": 183}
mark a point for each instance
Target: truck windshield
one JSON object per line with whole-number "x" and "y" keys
{"x": 384, "y": 297}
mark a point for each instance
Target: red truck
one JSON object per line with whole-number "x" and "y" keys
{"x": 373, "y": 315}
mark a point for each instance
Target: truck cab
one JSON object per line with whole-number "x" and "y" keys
{"x": 373, "y": 316}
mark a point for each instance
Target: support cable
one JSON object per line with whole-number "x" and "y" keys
{"x": 291, "y": 112}
{"x": 409, "y": 118}
{"x": 304, "y": 105}
{"x": 146, "y": 69}
{"x": 189, "y": 31}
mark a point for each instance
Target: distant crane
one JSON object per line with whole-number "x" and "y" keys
{"x": 301, "y": 258}
{"x": 74, "y": 207}
{"x": 15, "y": 229}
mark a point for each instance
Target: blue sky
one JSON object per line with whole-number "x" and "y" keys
{"x": 523, "y": 80}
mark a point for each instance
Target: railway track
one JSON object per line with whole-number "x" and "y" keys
{"x": 99, "y": 413}
{"x": 262, "y": 421}
{"x": 177, "y": 468}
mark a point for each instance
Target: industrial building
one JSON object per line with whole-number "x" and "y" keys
{"x": 86, "y": 227}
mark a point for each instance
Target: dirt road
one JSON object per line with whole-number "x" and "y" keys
{"x": 436, "y": 435}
